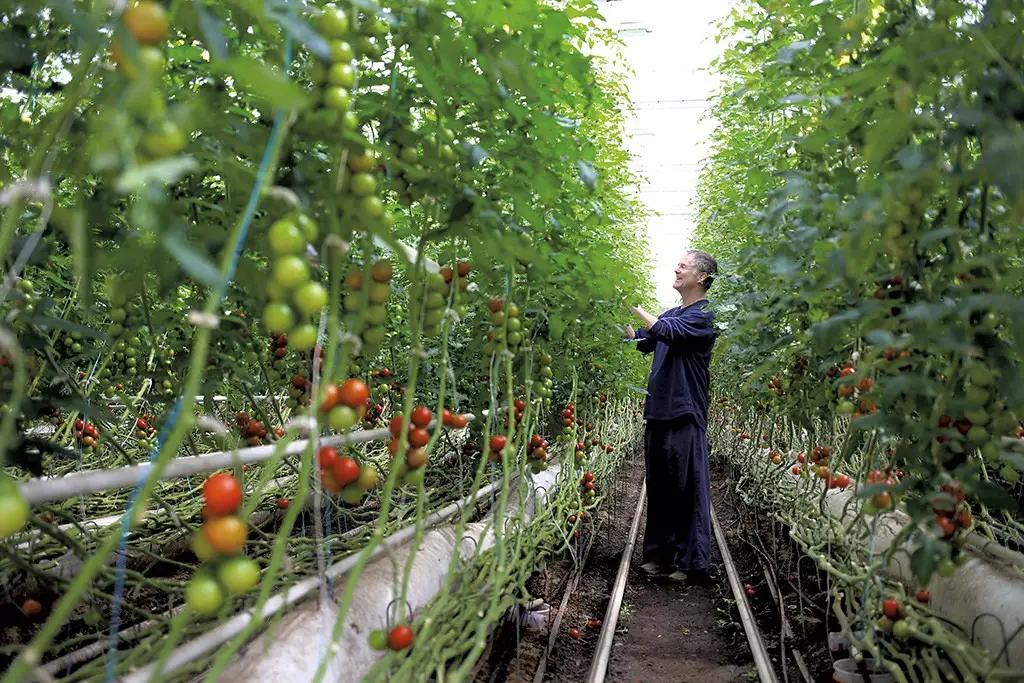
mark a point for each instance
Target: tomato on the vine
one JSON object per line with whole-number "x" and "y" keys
{"x": 400, "y": 637}
{"x": 286, "y": 237}
{"x": 239, "y": 574}
{"x": 203, "y": 595}
{"x": 14, "y": 510}
{"x": 418, "y": 437}
{"x": 222, "y": 494}
{"x": 421, "y": 416}
{"x": 354, "y": 393}
{"x": 327, "y": 458}
{"x": 147, "y": 21}
{"x": 290, "y": 271}
{"x": 226, "y": 535}
{"x": 346, "y": 471}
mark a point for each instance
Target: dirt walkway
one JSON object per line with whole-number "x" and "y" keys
{"x": 669, "y": 633}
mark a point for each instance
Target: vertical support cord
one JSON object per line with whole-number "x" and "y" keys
{"x": 219, "y": 292}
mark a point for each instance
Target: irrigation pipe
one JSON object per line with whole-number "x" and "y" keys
{"x": 49, "y": 489}
{"x": 210, "y": 640}
{"x": 599, "y": 669}
{"x": 765, "y": 671}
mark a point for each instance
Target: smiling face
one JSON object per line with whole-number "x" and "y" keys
{"x": 688, "y": 274}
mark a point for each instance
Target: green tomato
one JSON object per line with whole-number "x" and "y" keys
{"x": 947, "y": 567}
{"x": 1009, "y": 473}
{"x": 342, "y": 418}
{"x": 352, "y": 494}
{"x": 239, "y": 574}
{"x": 310, "y": 297}
{"x": 308, "y": 227}
{"x": 286, "y": 237}
{"x": 977, "y": 434}
{"x": 342, "y": 52}
{"x": 374, "y": 336}
{"x": 13, "y": 510}
{"x": 379, "y": 639}
{"x": 350, "y": 121}
{"x": 379, "y": 292}
{"x": 115, "y": 330}
{"x": 376, "y": 315}
{"x": 514, "y": 324}
{"x": 901, "y": 629}
{"x": 371, "y": 206}
{"x": 25, "y": 286}
{"x": 203, "y": 595}
{"x": 278, "y": 318}
{"x": 845, "y": 408}
{"x": 415, "y": 477}
{"x": 290, "y": 271}
{"x": 363, "y": 184}
{"x": 118, "y": 315}
{"x": 200, "y": 546}
{"x": 435, "y": 300}
{"x": 433, "y": 317}
{"x": 353, "y": 301}
{"x": 365, "y": 46}
{"x": 333, "y": 23}
{"x": 167, "y": 140}
{"x": 961, "y": 558}
{"x": 342, "y": 74}
{"x": 303, "y": 336}
{"x": 337, "y": 98}
{"x": 409, "y": 155}
{"x": 515, "y": 338}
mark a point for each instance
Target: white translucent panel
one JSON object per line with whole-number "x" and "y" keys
{"x": 668, "y": 43}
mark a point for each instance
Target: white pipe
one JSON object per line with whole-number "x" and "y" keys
{"x": 285, "y": 653}
{"x": 221, "y": 634}
{"x": 47, "y": 489}
{"x": 984, "y": 595}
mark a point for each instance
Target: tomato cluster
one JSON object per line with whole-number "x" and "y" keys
{"x": 952, "y": 512}
{"x": 542, "y": 383}
{"x": 398, "y": 638}
{"x": 145, "y": 432}
{"x": 294, "y": 297}
{"x": 507, "y": 329}
{"x": 366, "y": 306}
{"x": 537, "y": 453}
{"x": 418, "y": 437}
{"x": 86, "y": 434}
{"x": 568, "y": 417}
{"x": 346, "y": 403}
{"x": 434, "y": 294}
{"x": 218, "y": 544}
{"x": 345, "y": 475}
{"x": 251, "y": 430}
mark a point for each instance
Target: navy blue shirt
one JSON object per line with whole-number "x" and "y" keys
{"x": 681, "y": 340}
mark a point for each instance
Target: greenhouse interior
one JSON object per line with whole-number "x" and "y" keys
{"x": 512, "y": 341}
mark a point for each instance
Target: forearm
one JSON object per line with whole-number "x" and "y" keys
{"x": 644, "y": 315}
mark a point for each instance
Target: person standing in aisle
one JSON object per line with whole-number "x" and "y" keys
{"x": 677, "y": 538}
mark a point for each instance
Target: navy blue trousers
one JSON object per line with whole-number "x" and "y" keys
{"x": 678, "y": 531}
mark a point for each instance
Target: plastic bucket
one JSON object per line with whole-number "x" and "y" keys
{"x": 846, "y": 671}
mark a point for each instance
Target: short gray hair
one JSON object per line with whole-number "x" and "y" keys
{"x": 706, "y": 264}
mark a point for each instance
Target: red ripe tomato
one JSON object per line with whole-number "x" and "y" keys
{"x": 574, "y": 633}
{"x": 332, "y": 398}
{"x": 589, "y": 486}
{"x": 330, "y": 482}
{"x": 923, "y": 597}
{"x": 418, "y": 437}
{"x": 393, "y": 445}
{"x": 520, "y": 405}
{"x": 396, "y": 426}
{"x": 536, "y": 441}
{"x": 327, "y": 458}
{"x": 463, "y": 268}
{"x": 421, "y": 416}
{"x": 346, "y": 471}
{"x": 498, "y": 442}
{"x": 283, "y": 503}
{"x": 588, "y": 476}
{"x": 226, "y": 535}
{"x": 460, "y": 421}
{"x": 90, "y": 430}
{"x": 254, "y": 427}
{"x": 79, "y": 425}
{"x": 891, "y": 609}
{"x": 447, "y": 417}
{"x": 354, "y": 393}
{"x": 400, "y": 637}
{"x": 222, "y": 494}
{"x": 31, "y": 607}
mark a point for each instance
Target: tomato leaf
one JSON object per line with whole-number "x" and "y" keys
{"x": 213, "y": 31}
{"x": 162, "y": 172}
{"x": 266, "y": 82}
{"x": 302, "y": 32}
{"x": 192, "y": 261}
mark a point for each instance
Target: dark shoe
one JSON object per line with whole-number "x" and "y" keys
{"x": 653, "y": 569}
